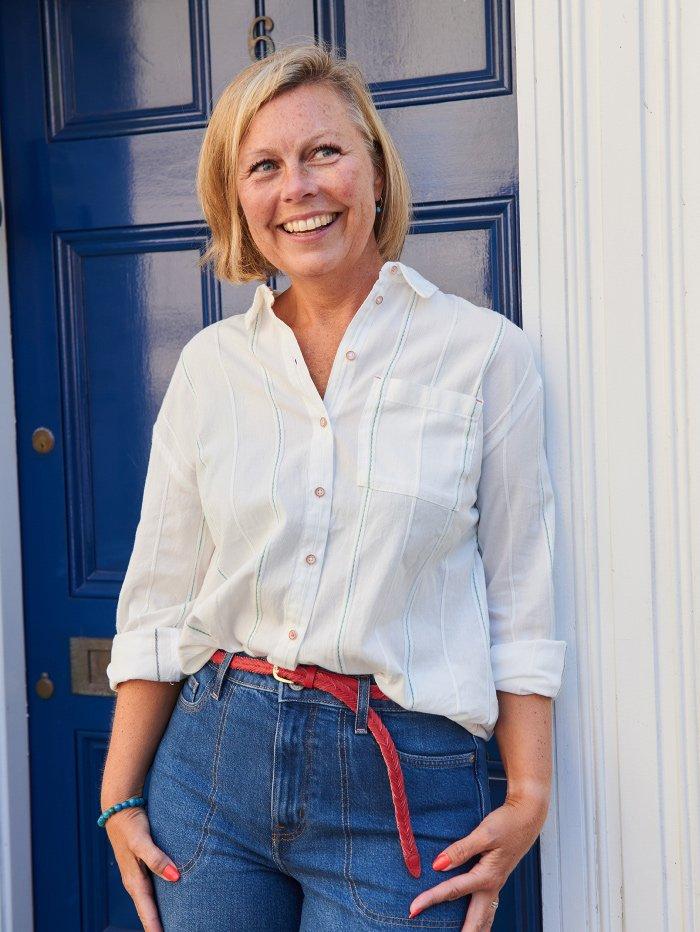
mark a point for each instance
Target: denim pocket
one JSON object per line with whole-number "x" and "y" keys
{"x": 185, "y": 772}
{"x": 439, "y": 761}
{"x": 423, "y": 739}
{"x": 436, "y": 761}
{"x": 196, "y": 687}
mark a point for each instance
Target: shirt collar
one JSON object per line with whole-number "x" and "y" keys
{"x": 419, "y": 284}
{"x": 264, "y": 295}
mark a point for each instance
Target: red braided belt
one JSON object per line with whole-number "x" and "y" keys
{"x": 346, "y": 688}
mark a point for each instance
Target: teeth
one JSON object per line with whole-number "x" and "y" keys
{"x": 299, "y": 226}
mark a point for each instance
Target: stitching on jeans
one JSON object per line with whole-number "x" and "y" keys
{"x": 273, "y": 840}
{"x": 382, "y": 704}
{"x": 188, "y": 866}
{"x": 192, "y": 707}
{"x": 308, "y": 754}
{"x": 437, "y": 762}
{"x": 386, "y": 919}
{"x": 241, "y": 682}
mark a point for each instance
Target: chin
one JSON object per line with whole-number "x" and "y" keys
{"x": 312, "y": 265}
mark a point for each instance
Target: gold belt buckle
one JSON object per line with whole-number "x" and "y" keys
{"x": 275, "y": 673}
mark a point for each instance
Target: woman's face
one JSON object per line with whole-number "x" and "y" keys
{"x": 301, "y": 158}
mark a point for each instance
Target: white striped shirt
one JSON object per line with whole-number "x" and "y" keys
{"x": 403, "y": 525}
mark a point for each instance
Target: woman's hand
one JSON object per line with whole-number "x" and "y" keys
{"x": 504, "y": 836}
{"x": 130, "y": 836}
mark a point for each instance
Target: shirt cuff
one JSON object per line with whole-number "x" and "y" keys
{"x": 145, "y": 655}
{"x": 524, "y": 667}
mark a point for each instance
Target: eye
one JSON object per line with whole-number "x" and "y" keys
{"x": 327, "y": 146}
{"x": 261, "y": 162}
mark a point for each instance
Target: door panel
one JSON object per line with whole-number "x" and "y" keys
{"x": 101, "y": 138}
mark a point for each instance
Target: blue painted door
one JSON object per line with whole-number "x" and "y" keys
{"x": 103, "y": 110}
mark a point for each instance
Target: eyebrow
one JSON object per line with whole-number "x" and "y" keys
{"x": 255, "y": 152}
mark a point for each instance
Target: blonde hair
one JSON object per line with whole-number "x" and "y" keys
{"x": 235, "y": 256}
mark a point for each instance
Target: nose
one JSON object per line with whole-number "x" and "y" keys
{"x": 297, "y": 183}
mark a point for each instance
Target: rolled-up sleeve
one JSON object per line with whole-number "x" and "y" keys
{"x": 172, "y": 546}
{"x": 516, "y": 524}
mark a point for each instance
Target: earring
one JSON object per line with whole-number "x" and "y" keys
{"x": 379, "y": 205}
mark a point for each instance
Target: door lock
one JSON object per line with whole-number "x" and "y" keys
{"x": 43, "y": 440}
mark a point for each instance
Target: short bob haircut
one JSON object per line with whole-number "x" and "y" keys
{"x": 235, "y": 256}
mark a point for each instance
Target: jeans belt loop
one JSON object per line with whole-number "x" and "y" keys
{"x": 220, "y": 674}
{"x": 363, "y": 685}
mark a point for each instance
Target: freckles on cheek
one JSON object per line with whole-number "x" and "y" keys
{"x": 351, "y": 191}
{"x": 350, "y": 180}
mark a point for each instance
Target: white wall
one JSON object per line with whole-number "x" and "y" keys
{"x": 610, "y": 225}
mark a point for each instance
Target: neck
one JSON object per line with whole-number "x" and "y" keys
{"x": 329, "y": 300}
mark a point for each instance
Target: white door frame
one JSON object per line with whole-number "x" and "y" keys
{"x": 610, "y": 242}
{"x": 563, "y": 841}
{"x": 15, "y": 827}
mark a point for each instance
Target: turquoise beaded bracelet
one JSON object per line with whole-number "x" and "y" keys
{"x": 127, "y": 804}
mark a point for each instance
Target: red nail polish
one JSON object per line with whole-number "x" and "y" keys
{"x": 441, "y": 862}
{"x": 414, "y": 913}
{"x": 171, "y": 872}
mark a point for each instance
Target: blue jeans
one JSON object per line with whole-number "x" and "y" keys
{"x": 274, "y": 803}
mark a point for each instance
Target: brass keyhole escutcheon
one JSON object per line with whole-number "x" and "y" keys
{"x": 43, "y": 440}
{"x": 44, "y": 686}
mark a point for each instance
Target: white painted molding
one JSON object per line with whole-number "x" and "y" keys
{"x": 15, "y": 828}
{"x": 610, "y": 242}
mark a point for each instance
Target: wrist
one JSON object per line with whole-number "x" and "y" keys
{"x": 109, "y": 813}
{"x": 529, "y": 792}
{"x": 110, "y": 797}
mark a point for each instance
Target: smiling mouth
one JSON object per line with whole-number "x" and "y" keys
{"x": 300, "y": 234}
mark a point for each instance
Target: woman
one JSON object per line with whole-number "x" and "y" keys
{"x": 307, "y": 558}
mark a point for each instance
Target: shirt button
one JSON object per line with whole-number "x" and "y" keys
{"x": 323, "y": 422}
{"x": 394, "y": 269}
{"x": 320, "y": 491}
{"x": 350, "y": 354}
{"x": 378, "y": 299}
{"x": 311, "y": 558}
{"x": 291, "y": 634}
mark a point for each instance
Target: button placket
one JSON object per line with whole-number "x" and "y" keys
{"x": 313, "y": 537}
{"x": 354, "y": 336}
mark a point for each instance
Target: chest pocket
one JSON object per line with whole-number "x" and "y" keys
{"x": 417, "y": 440}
